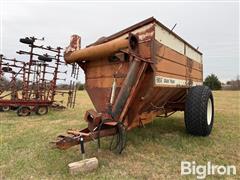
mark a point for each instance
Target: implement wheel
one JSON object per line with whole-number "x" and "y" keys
{"x": 6, "y": 108}
{"x": 41, "y": 110}
{"x": 23, "y": 111}
{"x": 199, "y": 111}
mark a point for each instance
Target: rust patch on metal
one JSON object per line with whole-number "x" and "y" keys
{"x": 121, "y": 75}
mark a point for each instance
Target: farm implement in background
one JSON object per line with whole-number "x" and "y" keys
{"x": 32, "y": 83}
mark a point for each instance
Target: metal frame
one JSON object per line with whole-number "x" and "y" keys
{"x": 39, "y": 76}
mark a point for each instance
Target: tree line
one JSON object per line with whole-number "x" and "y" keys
{"x": 214, "y": 83}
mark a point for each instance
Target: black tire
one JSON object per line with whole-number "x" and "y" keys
{"x": 41, "y": 110}
{"x": 6, "y": 108}
{"x": 199, "y": 111}
{"x": 23, "y": 111}
{"x": 26, "y": 40}
{"x": 44, "y": 58}
{"x": 6, "y": 69}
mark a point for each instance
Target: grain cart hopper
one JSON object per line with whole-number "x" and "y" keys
{"x": 135, "y": 75}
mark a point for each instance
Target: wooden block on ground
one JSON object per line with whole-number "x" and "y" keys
{"x": 85, "y": 165}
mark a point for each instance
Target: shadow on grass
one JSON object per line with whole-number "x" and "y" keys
{"x": 166, "y": 132}
{"x": 158, "y": 128}
{"x": 51, "y": 115}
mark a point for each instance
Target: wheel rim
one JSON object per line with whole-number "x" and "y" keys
{"x": 5, "y": 108}
{"x": 42, "y": 110}
{"x": 209, "y": 111}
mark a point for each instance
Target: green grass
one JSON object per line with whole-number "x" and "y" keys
{"x": 153, "y": 152}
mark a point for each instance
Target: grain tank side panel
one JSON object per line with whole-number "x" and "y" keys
{"x": 170, "y": 40}
{"x": 163, "y": 51}
{"x": 177, "y": 63}
{"x": 166, "y": 38}
{"x": 192, "y": 54}
{"x": 177, "y": 69}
